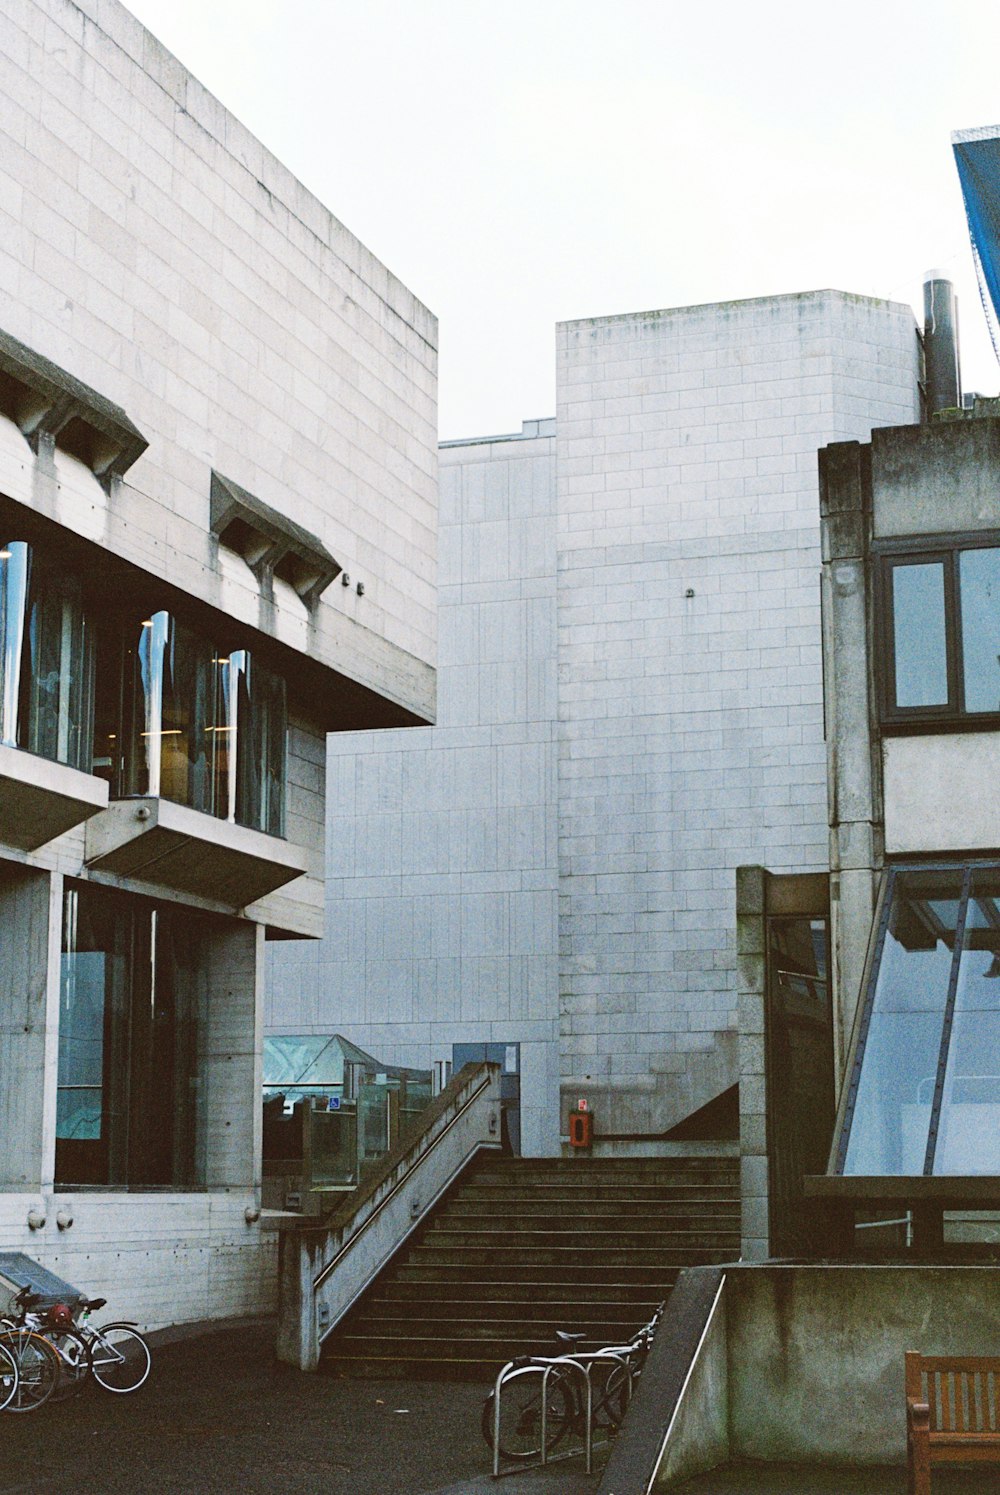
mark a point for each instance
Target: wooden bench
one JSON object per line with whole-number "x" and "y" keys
{"x": 952, "y": 1413}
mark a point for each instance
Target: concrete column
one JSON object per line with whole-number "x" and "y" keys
{"x": 231, "y": 1056}
{"x": 751, "y": 954}
{"x": 853, "y": 765}
{"x": 27, "y": 1088}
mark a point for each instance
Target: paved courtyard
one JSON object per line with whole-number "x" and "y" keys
{"x": 797, "y": 1479}
{"x": 218, "y": 1414}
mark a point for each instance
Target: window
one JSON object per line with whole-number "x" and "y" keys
{"x": 132, "y": 1024}
{"x": 199, "y": 725}
{"x": 941, "y": 630}
{"x": 924, "y": 1090}
{"x": 46, "y": 659}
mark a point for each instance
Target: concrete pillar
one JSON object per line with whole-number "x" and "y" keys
{"x": 850, "y": 707}
{"x": 29, "y": 975}
{"x": 751, "y": 954}
{"x": 231, "y": 1056}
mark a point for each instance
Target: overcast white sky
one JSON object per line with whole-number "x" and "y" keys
{"x": 523, "y": 162}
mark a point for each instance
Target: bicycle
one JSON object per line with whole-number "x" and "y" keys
{"x": 116, "y": 1355}
{"x": 9, "y": 1377}
{"x": 36, "y": 1369}
{"x": 523, "y": 1386}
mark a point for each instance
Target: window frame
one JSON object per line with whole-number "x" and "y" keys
{"x": 922, "y": 550}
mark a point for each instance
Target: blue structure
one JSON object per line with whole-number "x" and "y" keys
{"x": 977, "y": 156}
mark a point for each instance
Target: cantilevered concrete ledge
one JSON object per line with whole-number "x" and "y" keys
{"x": 45, "y": 400}
{"x": 40, "y": 800}
{"x": 157, "y": 841}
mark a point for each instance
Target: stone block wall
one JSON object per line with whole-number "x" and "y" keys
{"x": 441, "y": 853}
{"x": 691, "y": 730}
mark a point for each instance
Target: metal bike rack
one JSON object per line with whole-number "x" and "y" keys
{"x": 544, "y": 1366}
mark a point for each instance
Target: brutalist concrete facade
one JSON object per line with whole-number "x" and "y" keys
{"x": 217, "y": 419}
{"x": 897, "y": 794}
{"x": 631, "y": 707}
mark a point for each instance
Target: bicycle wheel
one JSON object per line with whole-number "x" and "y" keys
{"x": 8, "y": 1377}
{"x": 37, "y": 1368}
{"x": 119, "y": 1357}
{"x": 611, "y": 1398}
{"x": 74, "y": 1360}
{"x": 521, "y": 1413}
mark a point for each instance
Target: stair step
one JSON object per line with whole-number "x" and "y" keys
{"x": 599, "y": 1212}
{"x": 607, "y": 1331}
{"x": 522, "y": 1247}
{"x": 443, "y": 1234}
{"x": 537, "y": 1271}
{"x": 508, "y": 1298}
{"x": 564, "y": 1312}
{"x": 496, "y": 1350}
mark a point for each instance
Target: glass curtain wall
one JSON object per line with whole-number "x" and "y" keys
{"x": 924, "y": 1095}
{"x": 132, "y": 1014}
{"x": 46, "y": 659}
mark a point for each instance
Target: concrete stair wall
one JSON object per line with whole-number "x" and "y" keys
{"x": 522, "y": 1247}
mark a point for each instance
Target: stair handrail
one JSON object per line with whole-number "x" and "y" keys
{"x": 408, "y": 1152}
{"x": 311, "y": 1251}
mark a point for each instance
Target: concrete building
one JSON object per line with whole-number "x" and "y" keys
{"x": 905, "y": 1029}
{"x": 217, "y": 543}
{"x": 630, "y": 707}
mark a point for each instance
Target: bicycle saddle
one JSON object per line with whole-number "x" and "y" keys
{"x": 92, "y": 1302}
{"x": 568, "y": 1338}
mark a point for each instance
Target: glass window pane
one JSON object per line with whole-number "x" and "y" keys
{"x": 969, "y": 1133}
{"x": 892, "y": 1108}
{"x": 800, "y": 1073}
{"x": 979, "y": 589}
{"x": 169, "y": 713}
{"x": 15, "y": 571}
{"x": 91, "y": 1142}
{"x": 918, "y": 621}
{"x": 58, "y": 691}
{"x": 130, "y": 1091}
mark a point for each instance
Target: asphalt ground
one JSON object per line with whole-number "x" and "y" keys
{"x": 803, "y": 1479}
{"x": 219, "y": 1414}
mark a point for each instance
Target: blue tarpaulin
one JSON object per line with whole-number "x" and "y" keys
{"x": 977, "y": 156}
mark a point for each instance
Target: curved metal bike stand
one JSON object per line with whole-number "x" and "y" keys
{"x": 544, "y": 1366}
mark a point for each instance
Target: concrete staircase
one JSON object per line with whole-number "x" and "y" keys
{"x": 521, "y": 1247}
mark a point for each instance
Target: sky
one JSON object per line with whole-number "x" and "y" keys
{"x": 535, "y": 161}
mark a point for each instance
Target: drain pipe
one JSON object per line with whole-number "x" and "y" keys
{"x": 941, "y": 367}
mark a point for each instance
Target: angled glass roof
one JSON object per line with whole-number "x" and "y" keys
{"x": 924, "y": 1088}
{"x": 301, "y": 1060}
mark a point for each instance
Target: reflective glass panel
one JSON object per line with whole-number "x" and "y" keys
{"x": 892, "y": 1109}
{"x": 170, "y": 714}
{"x": 800, "y": 1072}
{"x": 918, "y": 621}
{"x": 133, "y": 996}
{"x": 200, "y": 726}
{"x": 979, "y": 590}
{"x": 58, "y": 693}
{"x": 969, "y": 1131}
{"x": 15, "y": 570}
{"x": 46, "y": 659}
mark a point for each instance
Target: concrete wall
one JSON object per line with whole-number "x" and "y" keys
{"x": 159, "y": 1257}
{"x": 598, "y": 722}
{"x": 816, "y": 1353}
{"x": 698, "y": 1435}
{"x": 895, "y": 795}
{"x": 176, "y": 267}
{"x": 441, "y": 856}
{"x": 153, "y": 249}
{"x": 691, "y": 731}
